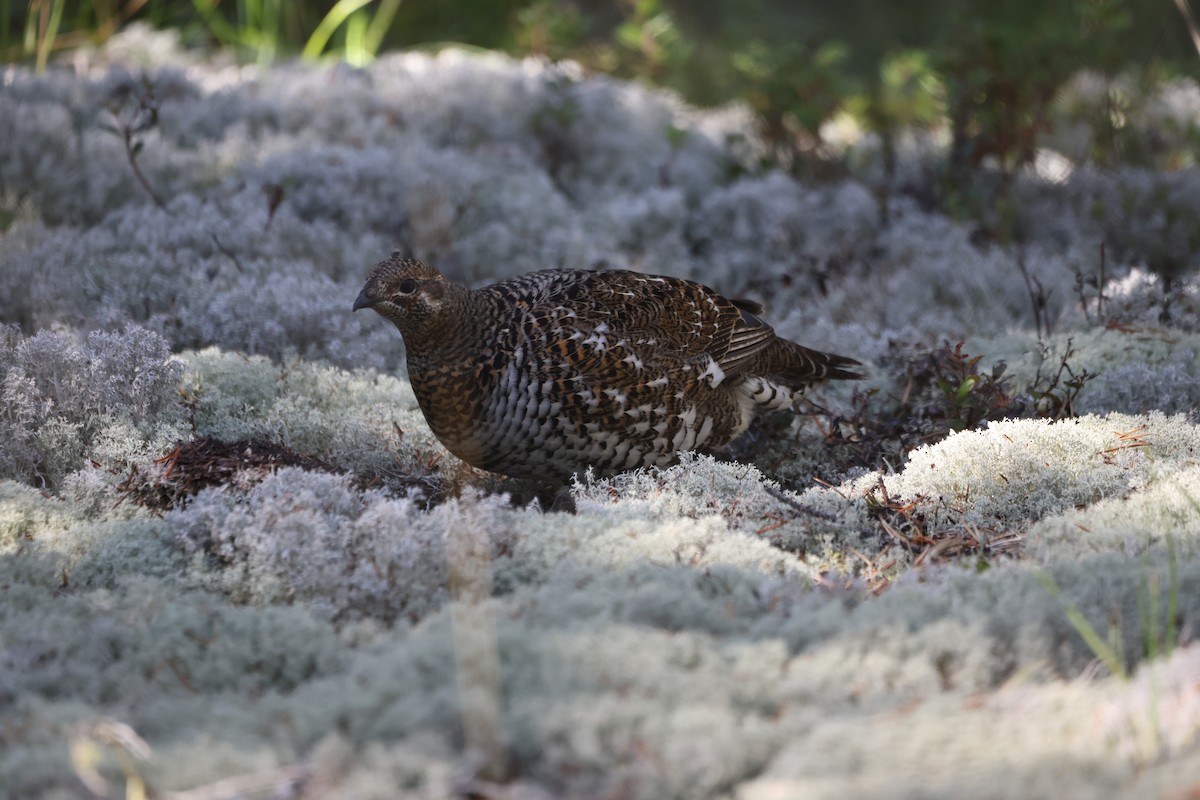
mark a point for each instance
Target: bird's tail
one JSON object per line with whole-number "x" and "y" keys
{"x": 798, "y": 366}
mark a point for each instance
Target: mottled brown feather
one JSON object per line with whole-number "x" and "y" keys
{"x": 549, "y": 374}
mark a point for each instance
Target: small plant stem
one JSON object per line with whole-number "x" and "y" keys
{"x": 131, "y": 154}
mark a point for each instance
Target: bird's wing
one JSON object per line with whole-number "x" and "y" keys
{"x": 654, "y": 320}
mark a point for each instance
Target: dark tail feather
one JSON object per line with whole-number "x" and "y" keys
{"x": 801, "y": 366}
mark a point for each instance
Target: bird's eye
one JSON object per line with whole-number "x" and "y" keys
{"x": 407, "y": 286}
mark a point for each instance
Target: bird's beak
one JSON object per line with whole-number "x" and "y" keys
{"x": 365, "y": 300}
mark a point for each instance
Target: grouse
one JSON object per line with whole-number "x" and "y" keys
{"x": 545, "y": 375}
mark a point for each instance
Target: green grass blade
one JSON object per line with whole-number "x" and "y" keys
{"x": 356, "y": 30}
{"x": 221, "y": 30}
{"x": 50, "y": 34}
{"x": 1107, "y": 651}
{"x": 1172, "y": 597}
{"x": 380, "y": 23}
{"x": 337, "y": 15}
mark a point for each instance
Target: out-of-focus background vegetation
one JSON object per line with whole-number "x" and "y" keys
{"x": 984, "y": 75}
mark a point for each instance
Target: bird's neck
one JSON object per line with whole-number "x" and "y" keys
{"x": 452, "y": 339}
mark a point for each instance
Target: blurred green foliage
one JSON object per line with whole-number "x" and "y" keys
{"x": 1005, "y": 63}
{"x": 987, "y": 72}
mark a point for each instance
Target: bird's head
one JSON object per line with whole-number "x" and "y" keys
{"x": 417, "y": 298}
